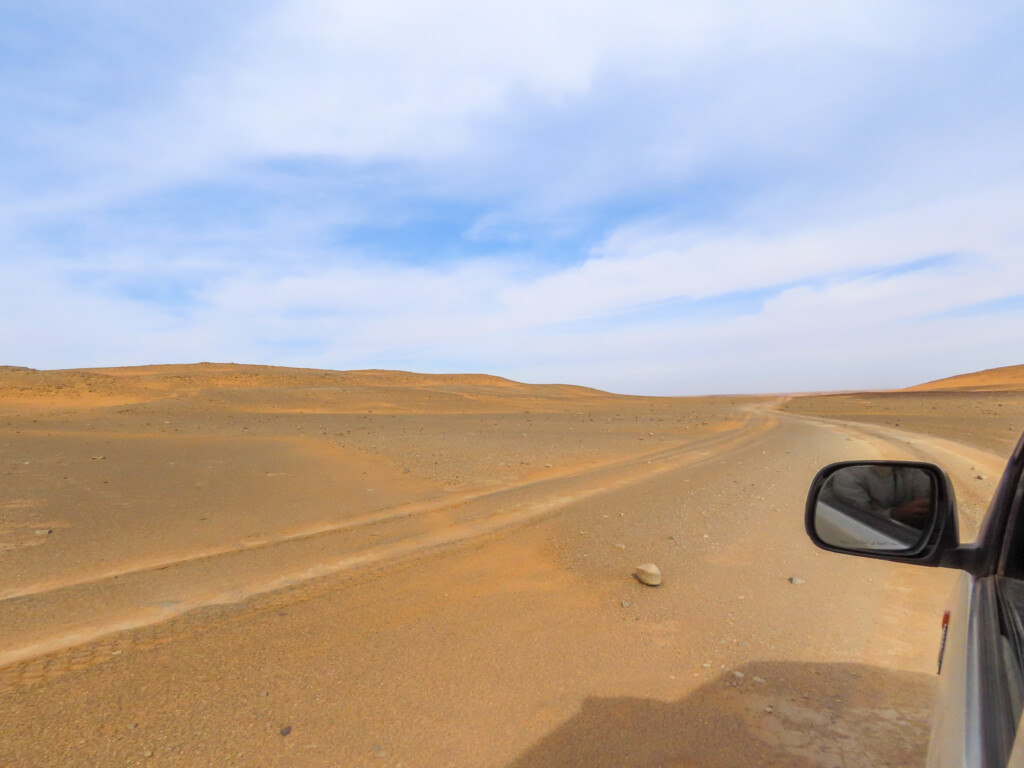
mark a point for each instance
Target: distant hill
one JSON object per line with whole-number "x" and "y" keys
{"x": 1010, "y": 377}
{"x": 257, "y": 386}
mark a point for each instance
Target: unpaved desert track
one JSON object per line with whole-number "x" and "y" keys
{"x": 505, "y": 630}
{"x": 975, "y": 471}
{"x": 41, "y": 619}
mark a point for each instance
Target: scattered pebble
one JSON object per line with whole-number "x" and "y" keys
{"x": 737, "y": 674}
{"x": 286, "y": 730}
{"x": 706, "y": 665}
{"x": 549, "y": 466}
{"x": 148, "y": 753}
{"x": 43, "y": 531}
{"x": 98, "y": 458}
{"x": 759, "y": 679}
{"x": 619, "y": 546}
{"x": 796, "y": 580}
{"x": 769, "y": 709}
{"x": 979, "y": 477}
{"x": 648, "y": 574}
{"x": 626, "y": 603}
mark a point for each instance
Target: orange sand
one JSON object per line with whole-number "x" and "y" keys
{"x": 242, "y": 565}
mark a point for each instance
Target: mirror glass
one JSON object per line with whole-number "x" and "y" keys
{"x": 876, "y": 507}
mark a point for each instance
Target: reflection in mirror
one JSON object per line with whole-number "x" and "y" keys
{"x": 875, "y": 506}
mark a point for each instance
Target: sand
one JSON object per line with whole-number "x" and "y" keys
{"x": 1007, "y": 378}
{"x": 241, "y": 565}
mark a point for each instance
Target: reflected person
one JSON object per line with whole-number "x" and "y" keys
{"x": 903, "y": 494}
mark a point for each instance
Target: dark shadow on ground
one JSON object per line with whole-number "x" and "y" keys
{"x": 801, "y": 715}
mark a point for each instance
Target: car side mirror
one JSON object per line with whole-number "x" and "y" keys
{"x": 895, "y": 510}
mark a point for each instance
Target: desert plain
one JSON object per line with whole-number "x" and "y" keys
{"x": 231, "y": 565}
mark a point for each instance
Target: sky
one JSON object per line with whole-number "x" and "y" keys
{"x": 658, "y": 197}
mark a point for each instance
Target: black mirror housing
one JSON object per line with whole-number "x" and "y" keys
{"x": 902, "y": 511}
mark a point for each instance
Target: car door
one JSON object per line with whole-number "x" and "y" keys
{"x": 979, "y": 701}
{"x": 1002, "y": 688}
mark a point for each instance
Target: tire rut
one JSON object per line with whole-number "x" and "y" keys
{"x": 470, "y": 519}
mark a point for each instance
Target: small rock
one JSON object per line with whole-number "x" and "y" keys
{"x": 98, "y": 458}
{"x": 796, "y": 580}
{"x": 737, "y": 674}
{"x": 979, "y": 477}
{"x": 43, "y": 531}
{"x": 706, "y": 665}
{"x": 769, "y": 709}
{"x": 648, "y": 574}
{"x": 759, "y": 679}
{"x": 626, "y": 603}
{"x": 286, "y": 730}
{"x": 148, "y": 753}
{"x": 619, "y": 546}
{"x": 549, "y": 466}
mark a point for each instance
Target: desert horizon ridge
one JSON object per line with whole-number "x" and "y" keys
{"x": 160, "y": 377}
{"x": 224, "y": 564}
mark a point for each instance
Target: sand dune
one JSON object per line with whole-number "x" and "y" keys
{"x": 1008, "y": 378}
{"x": 222, "y": 564}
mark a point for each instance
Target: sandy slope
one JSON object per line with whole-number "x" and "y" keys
{"x": 251, "y": 566}
{"x": 1007, "y": 378}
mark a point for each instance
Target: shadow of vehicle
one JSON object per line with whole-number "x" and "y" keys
{"x": 769, "y": 714}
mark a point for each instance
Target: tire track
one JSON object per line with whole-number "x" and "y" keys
{"x": 447, "y": 504}
{"x": 246, "y": 575}
{"x": 975, "y": 472}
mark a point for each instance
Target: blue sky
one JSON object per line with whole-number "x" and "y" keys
{"x": 652, "y": 198}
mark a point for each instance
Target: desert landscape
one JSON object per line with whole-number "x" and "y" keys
{"x": 233, "y": 565}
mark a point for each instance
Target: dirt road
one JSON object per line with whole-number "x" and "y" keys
{"x": 487, "y": 625}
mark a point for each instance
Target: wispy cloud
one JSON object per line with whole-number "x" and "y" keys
{"x": 655, "y": 197}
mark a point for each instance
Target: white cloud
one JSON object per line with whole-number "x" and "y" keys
{"x": 650, "y": 261}
{"x": 685, "y": 152}
{"x": 430, "y": 81}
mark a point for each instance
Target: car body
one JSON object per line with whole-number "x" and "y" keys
{"x": 981, "y": 665}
